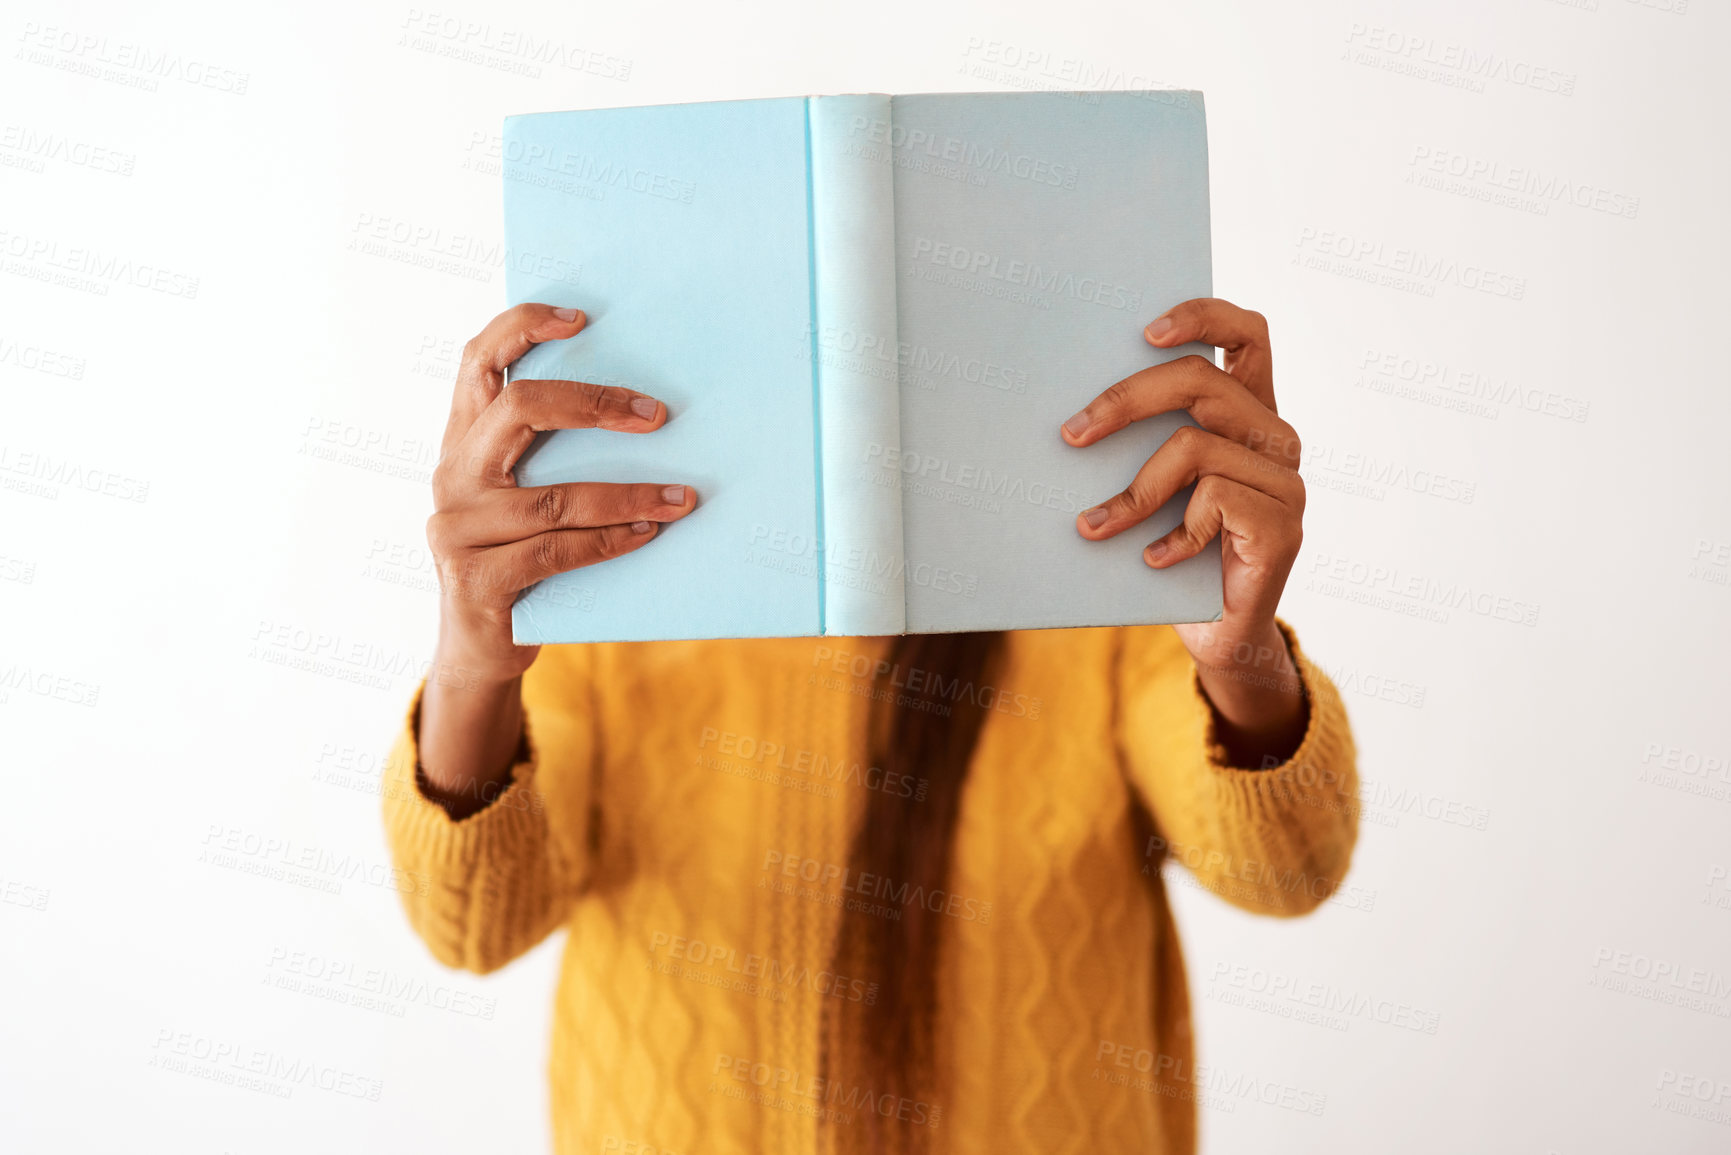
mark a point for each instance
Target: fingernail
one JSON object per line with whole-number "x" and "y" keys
{"x": 643, "y": 527}
{"x": 673, "y": 495}
{"x": 644, "y": 407}
{"x": 1156, "y": 550}
{"x": 1158, "y": 328}
{"x": 565, "y": 314}
{"x": 1094, "y": 517}
{"x": 1077, "y": 424}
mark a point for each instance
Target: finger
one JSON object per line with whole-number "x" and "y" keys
{"x": 1260, "y": 531}
{"x": 520, "y": 564}
{"x": 507, "y": 427}
{"x": 1241, "y": 333}
{"x": 481, "y": 372}
{"x": 498, "y": 574}
{"x": 1217, "y": 401}
{"x": 1189, "y": 456}
{"x": 501, "y": 516}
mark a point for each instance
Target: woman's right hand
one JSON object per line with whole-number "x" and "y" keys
{"x": 490, "y": 538}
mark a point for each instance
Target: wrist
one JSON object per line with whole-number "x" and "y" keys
{"x": 465, "y": 657}
{"x": 1253, "y": 687}
{"x": 1258, "y": 654}
{"x": 469, "y": 732}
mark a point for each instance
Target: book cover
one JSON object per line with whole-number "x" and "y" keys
{"x": 867, "y": 315}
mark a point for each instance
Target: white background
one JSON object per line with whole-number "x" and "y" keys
{"x": 1548, "y": 816}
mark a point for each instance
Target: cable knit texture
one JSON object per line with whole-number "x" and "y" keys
{"x": 685, "y": 809}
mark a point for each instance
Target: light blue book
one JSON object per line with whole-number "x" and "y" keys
{"x": 868, "y": 315}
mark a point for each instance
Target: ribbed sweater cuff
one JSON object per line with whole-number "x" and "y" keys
{"x": 418, "y": 823}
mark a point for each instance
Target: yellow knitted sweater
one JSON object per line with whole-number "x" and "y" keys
{"x": 684, "y": 812}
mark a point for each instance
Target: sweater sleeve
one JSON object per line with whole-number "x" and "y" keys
{"x": 1272, "y": 841}
{"x": 484, "y": 890}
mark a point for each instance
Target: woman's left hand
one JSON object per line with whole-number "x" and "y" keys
{"x": 1244, "y": 462}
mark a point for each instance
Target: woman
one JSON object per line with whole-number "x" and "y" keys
{"x": 866, "y": 894}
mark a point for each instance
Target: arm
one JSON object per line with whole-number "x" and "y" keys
{"x": 492, "y": 866}
{"x": 1275, "y": 840}
{"x": 1237, "y": 743}
{"x": 487, "y": 791}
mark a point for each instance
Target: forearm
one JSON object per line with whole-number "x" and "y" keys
{"x": 1257, "y": 697}
{"x": 470, "y": 734}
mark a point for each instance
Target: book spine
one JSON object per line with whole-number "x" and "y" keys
{"x": 856, "y": 366}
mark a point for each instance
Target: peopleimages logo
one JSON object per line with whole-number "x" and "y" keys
{"x": 750, "y": 972}
{"x": 35, "y": 148}
{"x": 1543, "y": 187}
{"x": 802, "y": 1092}
{"x": 227, "y": 1060}
{"x": 763, "y": 754}
{"x": 89, "y": 269}
{"x": 1390, "y": 587}
{"x": 875, "y": 886}
{"x": 985, "y": 157}
{"x": 1458, "y": 65}
{"x": 1211, "y": 1085}
{"x": 1400, "y": 266}
{"x": 856, "y": 351}
{"x": 1661, "y": 980}
{"x": 911, "y": 463}
{"x": 536, "y": 156}
{"x": 1024, "y": 274}
{"x": 1390, "y": 371}
{"x": 135, "y": 65}
{"x": 1378, "y": 474}
{"x": 1277, "y": 989}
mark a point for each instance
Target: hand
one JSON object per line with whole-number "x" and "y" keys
{"x": 1244, "y": 462}
{"x": 491, "y": 539}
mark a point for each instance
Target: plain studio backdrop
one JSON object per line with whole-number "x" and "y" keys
{"x": 241, "y": 249}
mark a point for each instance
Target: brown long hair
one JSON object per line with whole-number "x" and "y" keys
{"x": 926, "y": 733}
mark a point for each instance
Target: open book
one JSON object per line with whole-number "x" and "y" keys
{"x": 868, "y": 316}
